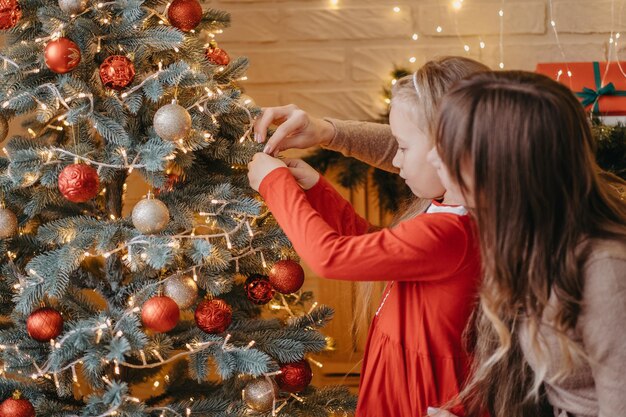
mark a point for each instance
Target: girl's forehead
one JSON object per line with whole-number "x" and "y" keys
{"x": 408, "y": 115}
{"x": 407, "y": 110}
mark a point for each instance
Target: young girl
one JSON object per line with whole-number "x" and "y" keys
{"x": 553, "y": 243}
{"x": 414, "y": 356}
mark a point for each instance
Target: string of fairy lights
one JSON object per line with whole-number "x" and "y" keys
{"x": 50, "y": 154}
{"x": 53, "y": 155}
{"x": 455, "y": 10}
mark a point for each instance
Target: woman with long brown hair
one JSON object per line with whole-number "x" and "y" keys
{"x": 518, "y": 147}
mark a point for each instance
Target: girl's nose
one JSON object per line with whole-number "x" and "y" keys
{"x": 396, "y": 161}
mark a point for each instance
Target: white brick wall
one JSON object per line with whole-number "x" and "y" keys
{"x": 334, "y": 60}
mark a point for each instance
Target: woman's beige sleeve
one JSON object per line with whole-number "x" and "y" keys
{"x": 371, "y": 143}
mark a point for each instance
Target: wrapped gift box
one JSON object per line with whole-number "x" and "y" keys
{"x": 600, "y": 86}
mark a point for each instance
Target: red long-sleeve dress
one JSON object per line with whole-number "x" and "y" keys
{"x": 414, "y": 356}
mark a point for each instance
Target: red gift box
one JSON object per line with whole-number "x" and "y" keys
{"x": 600, "y": 86}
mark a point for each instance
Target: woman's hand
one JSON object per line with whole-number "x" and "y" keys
{"x": 261, "y": 165}
{"x": 296, "y": 129}
{"x": 304, "y": 173}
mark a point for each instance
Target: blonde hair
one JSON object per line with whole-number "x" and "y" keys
{"x": 422, "y": 91}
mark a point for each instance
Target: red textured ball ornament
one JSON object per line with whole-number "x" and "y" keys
{"x": 259, "y": 289}
{"x": 217, "y": 55}
{"x": 44, "y": 324}
{"x": 79, "y": 183}
{"x": 160, "y": 314}
{"x": 17, "y": 407}
{"x": 62, "y": 55}
{"x": 287, "y": 276}
{"x": 294, "y": 377}
{"x": 185, "y": 14}
{"x": 10, "y": 14}
{"x": 117, "y": 72}
{"x": 213, "y": 316}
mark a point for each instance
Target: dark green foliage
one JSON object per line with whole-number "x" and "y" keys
{"x": 611, "y": 148}
{"x": 351, "y": 173}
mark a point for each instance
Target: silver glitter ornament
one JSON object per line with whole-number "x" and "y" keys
{"x": 260, "y": 394}
{"x": 73, "y": 7}
{"x": 8, "y": 223}
{"x": 150, "y": 216}
{"x": 182, "y": 289}
{"x": 4, "y": 128}
{"x": 172, "y": 122}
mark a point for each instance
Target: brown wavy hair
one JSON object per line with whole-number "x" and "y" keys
{"x": 433, "y": 80}
{"x": 521, "y": 146}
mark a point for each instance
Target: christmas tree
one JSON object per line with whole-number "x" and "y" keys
{"x": 189, "y": 306}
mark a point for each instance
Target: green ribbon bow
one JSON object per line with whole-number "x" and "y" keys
{"x": 591, "y": 96}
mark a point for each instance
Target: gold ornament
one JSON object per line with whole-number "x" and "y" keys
{"x": 182, "y": 289}
{"x": 73, "y": 7}
{"x": 172, "y": 122}
{"x": 150, "y": 216}
{"x": 8, "y": 223}
{"x": 260, "y": 394}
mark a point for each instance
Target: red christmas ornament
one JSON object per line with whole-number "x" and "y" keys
{"x": 213, "y": 316}
{"x": 185, "y": 14}
{"x": 259, "y": 289}
{"x": 160, "y": 314}
{"x": 44, "y": 324}
{"x": 10, "y": 14}
{"x": 62, "y": 55}
{"x": 287, "y": 276}
{"x": 117, "y": 72}
{"x": 79, "y": 183}
{"x": 217, "y": 55}
{"x": 294, "y": 377}
{"x": 17, "y": 407}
